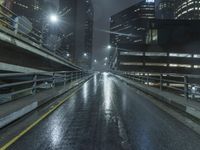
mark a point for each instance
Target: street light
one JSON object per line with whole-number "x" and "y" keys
{"x": 54, "y": 18}
{"x": 105, "y": 64}
{"x": 95, "y": 61}
{"x": 68, "y": 54}
{"x": 109, "y": 47}
{"x": 106, "y": 58}
{"x": 85, "y": 54}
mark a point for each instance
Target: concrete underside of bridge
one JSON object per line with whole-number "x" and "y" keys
{"x": 28, "y": 56}
{"x": 104, "y": 114}
{"x": 22, "y": 58}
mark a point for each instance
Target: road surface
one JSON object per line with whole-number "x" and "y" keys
{"x": 107, "y": 114}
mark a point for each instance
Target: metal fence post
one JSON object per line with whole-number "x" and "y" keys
{"x": 16, "y": 26}
{"x": 34, "y": 87}
{"x": 53, "y": 81}
{"x": 65, "y": 79}
{"x": 71, "y": 77}
{"x": 186, "y": 87}
{"x": 147, "y": 79}
{"x": 161, "y": 82}
{"x": 80, "y": 75}
{"x": 141, "y": 78}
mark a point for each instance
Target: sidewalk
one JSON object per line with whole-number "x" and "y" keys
{"x": 15, "y": 109}
{"x": 188, "y": 106}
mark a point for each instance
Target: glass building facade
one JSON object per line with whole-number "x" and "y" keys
{"x": 165, "y": 9}
{"x": 129, "y": 25}
{"x": 187, "y": 9}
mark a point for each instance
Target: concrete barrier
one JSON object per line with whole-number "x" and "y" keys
{"x": 17, "y": 114}
{"x": 10, "y": 116}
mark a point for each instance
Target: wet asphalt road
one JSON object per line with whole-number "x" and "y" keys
{"x": 106, "y": 114}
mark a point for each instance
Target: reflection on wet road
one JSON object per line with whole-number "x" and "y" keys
{"x": 106, "y": 114}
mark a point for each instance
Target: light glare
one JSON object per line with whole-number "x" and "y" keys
{"x": 54, "y": 18}
{"x": 109, "y": 47}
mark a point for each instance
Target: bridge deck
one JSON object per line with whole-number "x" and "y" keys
{"x": 106, "y": 114}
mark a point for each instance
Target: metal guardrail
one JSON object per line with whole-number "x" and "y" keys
{"x": 178, "y": 84}
{"x": 7, "y": 20}
{"x": 18, "y": 83}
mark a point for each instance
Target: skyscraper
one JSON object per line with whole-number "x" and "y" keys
{"x": 73, "y": 34}
{"x": 165, "y": 9}
{"x": 187, "y": 9}
{"x": 31, "y": 9}
{"x": 68, "y": 11}
{"x": 84, "y": 33}
{"x": 128, "y": 26}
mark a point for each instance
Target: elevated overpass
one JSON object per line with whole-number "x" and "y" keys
{"x": 25, "y": 52}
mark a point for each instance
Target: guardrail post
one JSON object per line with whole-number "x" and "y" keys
{"x": 161, "y": 82}
{"x": 71, "y": 77}
{"x": 53, "y": 81}
{"x": 34, "y": 87}
{"x": 82, "y": 74}
{"x": 65, "y": 79}
{"x": 141, "y": 78}
{"x": 79, "y": 74}
{"x": 16, "y": 26}
{"x": 147, "y": 79}
{"x": 41, "y": 39}
{"x": 186, "y": 87}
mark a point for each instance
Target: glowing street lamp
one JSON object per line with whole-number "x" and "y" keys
{"x": 95, "y": 61}
{"x": 106, "y": 58}
{"x": 85, "y": 54}
{"x": 54, "y": 18}
{"x": 109, "y": 47}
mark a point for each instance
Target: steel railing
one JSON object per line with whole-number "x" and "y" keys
{"x": 183, "y": 85}
{"x": 18, "y": 83}
{"x": 35, "y": 36}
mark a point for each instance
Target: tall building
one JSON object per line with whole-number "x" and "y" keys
{"x": 68, "y": 11}
{"x": 187, "y": 9}
{"x": 165, "y": 9}
{"x": 31, "y": 9}
{"x": 172, "y": 49}
{"x": 72, "y": 36}
{"x": 84, "y": 33}
{"x": 128, "y": 26}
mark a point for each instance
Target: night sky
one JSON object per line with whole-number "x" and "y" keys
{"x": 103, "y": 10}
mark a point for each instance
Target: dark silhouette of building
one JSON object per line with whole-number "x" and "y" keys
{"x": 146, "y": 44}
{"x": 173, "y": 48}
{"x": 68, "y": 11}
{"x": 78, "y": 30}
{"x": 84, "y": 33}
{"x": 129, "y": 26}
{"x": 165, "y": 9}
